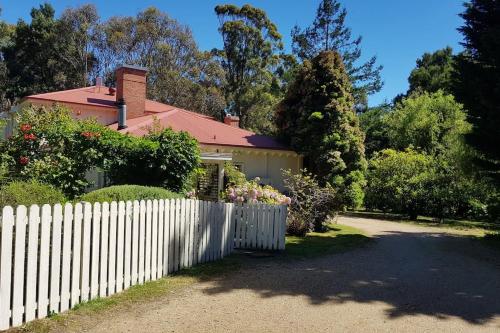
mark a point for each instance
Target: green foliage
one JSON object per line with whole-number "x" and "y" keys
{"x": 233, "y": 175}
{"x": 432, "y": 173}
{"x": 179, "y": 73}
{"x": 372, "y": 123}
{"x": 329, "y": 33}
{"x": 352, "y": 189}
{"x": 250, "y": 42}
{"x": 128, "y": 193}
{"x": 42, "y": 57}
{"x": 28, "y": 193}
{"x": 49, "y": 54}
{"x": 311, "y": 205}
{"x": 433, "y": 72}
{"x": 162, "y": 158}
{"x": 53, "y": 148}
{"x": 432, "y": 122}
{"x": 476, "y": 81}
{"x": 317, "y": 119}
{"x": 412, "y": 183}
{"x": 6, "y": 33}
{"x": 399, "y": 181}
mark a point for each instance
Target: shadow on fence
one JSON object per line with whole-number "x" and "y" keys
{"x": 53, "y": 258}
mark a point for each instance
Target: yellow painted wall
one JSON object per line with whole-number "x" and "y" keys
{"x": 264, "y": 163}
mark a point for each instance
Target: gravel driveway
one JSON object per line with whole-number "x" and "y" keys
{"x": 410, "y": 279}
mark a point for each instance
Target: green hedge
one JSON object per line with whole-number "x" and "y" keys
{"x": 129, "y": 192}
{"x": 28, "y": 193}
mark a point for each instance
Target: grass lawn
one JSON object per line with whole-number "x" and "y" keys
{"x": 338, "y": 238}
{"x": 429, "y": 221}
{"x": 487, "y": 233}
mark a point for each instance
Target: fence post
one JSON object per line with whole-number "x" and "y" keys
{"x": 284, "y": 213}
{"x": 77, "y": 238}
{"x": 66, "y": 257}
{"x": 30, "y": 305}
{"x": 103, "y": 279}
{"x": 96, "y": 236}
{"x": 55, "y": 261}
{"x": 20, "y": 255}
{"x": 6, "y": 265}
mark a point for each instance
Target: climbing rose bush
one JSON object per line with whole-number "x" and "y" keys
{"x": 51, "y": 147}
{"x": 252, "y": 192}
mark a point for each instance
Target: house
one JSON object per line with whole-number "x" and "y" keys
{"x": 127, "y": 110}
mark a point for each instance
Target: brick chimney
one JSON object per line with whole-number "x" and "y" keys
{"x": 131, "y": 89}
{"x": 232, "y": 121}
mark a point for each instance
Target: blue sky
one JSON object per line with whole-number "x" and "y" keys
{"x": 396, "y": 31}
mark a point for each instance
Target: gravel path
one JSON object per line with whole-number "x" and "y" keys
{"x": 410, "y": 279}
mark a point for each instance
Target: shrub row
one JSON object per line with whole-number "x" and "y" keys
{"x": 33, "y": 192}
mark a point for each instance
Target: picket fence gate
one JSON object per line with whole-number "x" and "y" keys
{"x": 56, "y": 257}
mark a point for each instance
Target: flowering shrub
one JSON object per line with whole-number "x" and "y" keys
{"x": 240, "y": 190}
{"x": 53, "y": 148}
{"x": 252, "y": 192}
{"x": 312, "y": 205}
{"x": 191, "y": 194}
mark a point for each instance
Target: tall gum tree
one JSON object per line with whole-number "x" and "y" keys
{"x": 250, "y": 46}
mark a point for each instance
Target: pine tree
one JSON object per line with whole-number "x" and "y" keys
{"x": 317, "y": 119}
{"x": 329, "y": 33}
{"x": 478, "y": 80}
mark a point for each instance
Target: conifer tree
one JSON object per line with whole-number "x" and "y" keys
{"x": 317, "y": 119}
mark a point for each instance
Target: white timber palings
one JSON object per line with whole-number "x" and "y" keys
{"x": 55, "y": 257}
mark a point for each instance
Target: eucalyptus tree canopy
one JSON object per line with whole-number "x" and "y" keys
{"x": 249, "y": 56}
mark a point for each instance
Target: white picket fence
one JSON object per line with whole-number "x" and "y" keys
{"x": 58, "y": 256}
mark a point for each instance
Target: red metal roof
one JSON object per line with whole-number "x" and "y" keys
{"x": 203, "y": 128}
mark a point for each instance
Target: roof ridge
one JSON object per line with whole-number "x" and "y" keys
{"x": 220, "y": 122}
{"x": 149, "y": 117}
{"x": 61, "y": 91}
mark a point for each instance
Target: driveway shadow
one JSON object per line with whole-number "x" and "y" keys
{"x": 414, "y": 273}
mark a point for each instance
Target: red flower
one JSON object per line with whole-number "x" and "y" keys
{"x": 25, "y": 127}
{"x": 30, "y": 136}
{"x": 86, "y": 134}
{"x": 23, "y": 160}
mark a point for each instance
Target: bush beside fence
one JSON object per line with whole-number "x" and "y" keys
{"x": 56, "y": 257}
